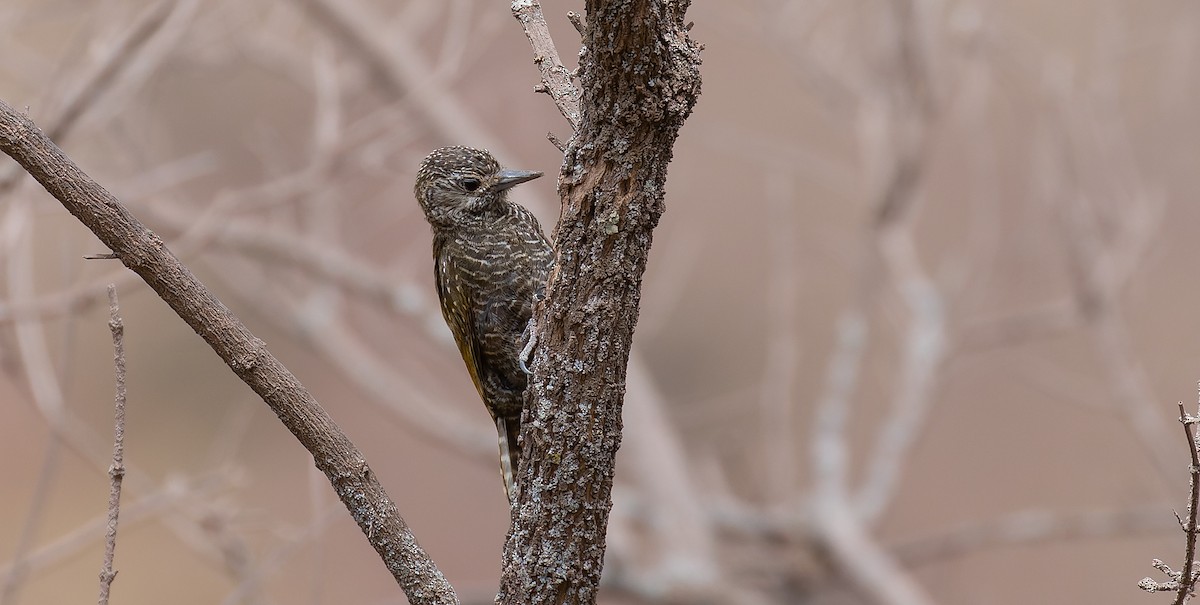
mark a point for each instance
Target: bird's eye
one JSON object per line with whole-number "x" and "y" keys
{"x": 470, "y": 184}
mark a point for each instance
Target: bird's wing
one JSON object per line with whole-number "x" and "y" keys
{"x": 458, "y": 309}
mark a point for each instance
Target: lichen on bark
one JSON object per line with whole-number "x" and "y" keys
{"x": 639, "y": 72}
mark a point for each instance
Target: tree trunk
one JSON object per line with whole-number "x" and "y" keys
{"x": 640, "y": 78}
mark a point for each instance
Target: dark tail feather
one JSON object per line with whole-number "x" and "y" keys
{"x": 508, "y": 429}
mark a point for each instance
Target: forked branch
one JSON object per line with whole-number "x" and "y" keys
{"x": 1183, "y": 582}
{"x": 556, "y": 78}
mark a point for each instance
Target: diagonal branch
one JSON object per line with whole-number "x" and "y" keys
{"x": 145, "y": 253}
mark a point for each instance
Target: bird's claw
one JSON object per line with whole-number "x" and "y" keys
{"x": 530, "y": 341}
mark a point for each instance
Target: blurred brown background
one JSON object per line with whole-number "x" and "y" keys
{"x": 929, "y": 264}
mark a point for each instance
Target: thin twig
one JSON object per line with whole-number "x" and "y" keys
{"x": 116, "y": 472}
{"x": 1187, "y": 581}
{"x": 1183, "y": 582}
{"x": 556, "y": 78}
{"x": 46, "y": 391}
{"x": 576, "y": 20}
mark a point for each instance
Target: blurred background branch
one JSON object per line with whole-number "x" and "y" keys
{"x": 929, "y": 261}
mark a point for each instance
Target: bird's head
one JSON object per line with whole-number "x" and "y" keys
{"x": 462, "y": 184}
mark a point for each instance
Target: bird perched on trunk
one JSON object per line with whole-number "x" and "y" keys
{"x": 490, "y": 261}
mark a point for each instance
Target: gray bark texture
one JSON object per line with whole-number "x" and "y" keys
{"x": 640, "y": 79}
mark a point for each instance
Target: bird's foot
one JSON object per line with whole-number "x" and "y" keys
{"x": 530, "y": 336}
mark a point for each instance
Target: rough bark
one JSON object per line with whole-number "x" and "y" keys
{"x": 640, "y": 78}
{"x": 145, "y": 253}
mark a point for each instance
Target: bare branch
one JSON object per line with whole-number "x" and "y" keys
{"x": 146, "y": 254}
{"x": 556, "y": 78}
{"x": 1183, "y": 582}
{"x": 1188, "y": 581}
{"x": 116, "y": 472}
{"x": 577, "y": 21}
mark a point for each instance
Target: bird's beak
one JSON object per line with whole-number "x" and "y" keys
{"x": 508, "y": 178}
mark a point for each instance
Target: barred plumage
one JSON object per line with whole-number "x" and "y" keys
{"x": 490, "y": 260}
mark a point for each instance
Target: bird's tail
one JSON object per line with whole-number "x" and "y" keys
{"x": 508, "y": 429}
